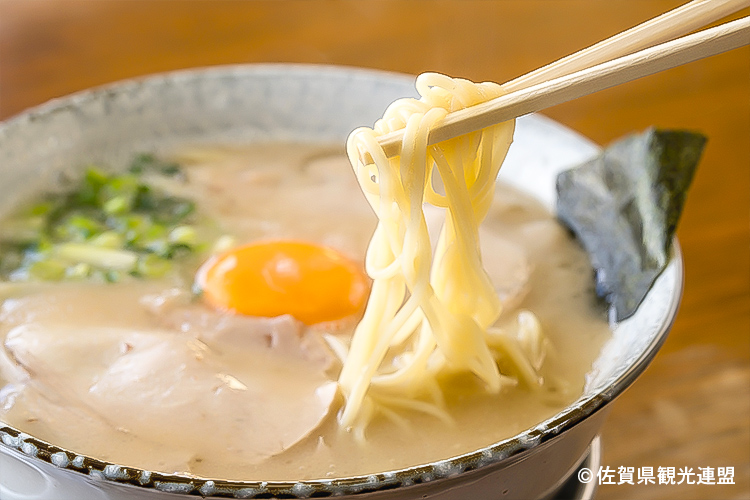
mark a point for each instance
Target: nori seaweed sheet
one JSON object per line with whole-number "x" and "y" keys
{"x": 624, "y": 207}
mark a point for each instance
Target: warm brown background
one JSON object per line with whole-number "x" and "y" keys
{"x": 692, "y": 406}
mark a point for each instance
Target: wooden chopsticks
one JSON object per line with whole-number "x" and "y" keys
{"x": 616, "y": 60}
{"x": 677, "y": 22}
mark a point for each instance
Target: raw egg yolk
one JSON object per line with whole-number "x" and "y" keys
{"x": 308, "y": 281}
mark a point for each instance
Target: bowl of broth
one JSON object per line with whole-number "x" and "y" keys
{"x": 134, "y": 384}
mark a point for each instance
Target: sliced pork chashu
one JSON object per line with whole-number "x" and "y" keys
{"x": 159, "y": 389}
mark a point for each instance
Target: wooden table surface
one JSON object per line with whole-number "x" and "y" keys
{"x": 691, "y": 408}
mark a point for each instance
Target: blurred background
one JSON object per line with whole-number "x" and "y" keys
{"x": 692, "y": 406}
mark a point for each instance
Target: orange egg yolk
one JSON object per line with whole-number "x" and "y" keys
{"x": 310, "y": 282}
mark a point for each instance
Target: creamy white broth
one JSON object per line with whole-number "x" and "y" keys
{"x": 264, "y": 192}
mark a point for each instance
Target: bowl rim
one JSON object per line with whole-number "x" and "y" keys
{"x": 17, "y": 441}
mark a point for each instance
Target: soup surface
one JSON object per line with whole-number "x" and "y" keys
{"x": 144, "y": 373}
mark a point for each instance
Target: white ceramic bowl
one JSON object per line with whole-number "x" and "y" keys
{"x": 318, "y": 103}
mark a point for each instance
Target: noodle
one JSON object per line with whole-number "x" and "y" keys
{"x": 429, "y": 314}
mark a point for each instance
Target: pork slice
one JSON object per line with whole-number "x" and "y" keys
{"x": 507, "y": 265}
{"x": 74, "y": 428}
{"x": 223, "y": 331}
{"x": 176, "y": 390}
{"x": 84, "y": 302}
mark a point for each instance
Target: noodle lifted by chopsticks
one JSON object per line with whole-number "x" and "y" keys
{"x": 428, "y": 314}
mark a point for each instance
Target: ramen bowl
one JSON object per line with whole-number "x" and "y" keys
{"x": 279, "y": 102}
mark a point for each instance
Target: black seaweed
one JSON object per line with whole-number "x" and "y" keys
{"x": 624, "y": 207}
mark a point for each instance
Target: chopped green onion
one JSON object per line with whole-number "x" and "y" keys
{"x": 22, "y": 231}
{"x": 141, "y": 163}
{"x": 77, "y": 228}
{"x": 170, "y": 169}
{"x": 153, "y": 239}
{"x": 112, "y": 276}
{"x": 47, "y": 270}
{"x": 92, "y": 184}
{"x": 152, "y": 266}
{"x": 106, "y": 258}
{"x": 183, "y": 235}
{"x": 117, "y": 205}
{"x": 78, "y": 271}
{"x": 177, "y": 251}
{"x": 44, "y": 245}
{"x": 108, "y": 239}
{"x": 172, "y": 209}
{"x": 148, "y": 162}
{"x": 95, "y": 178}
{"x": 41, "y": 209}
{"x": 108, "y": 227}
{"x": 132, "y": 226}
{"x": 145, "y": 199}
